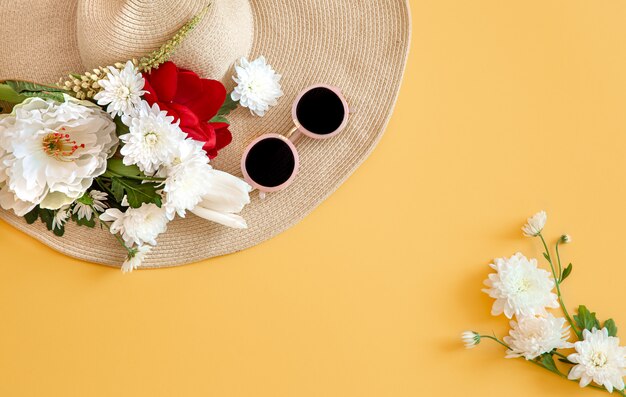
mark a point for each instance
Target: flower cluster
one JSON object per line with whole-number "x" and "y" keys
{"x": 127, "y": 147}
{"x": 525, "y": 292}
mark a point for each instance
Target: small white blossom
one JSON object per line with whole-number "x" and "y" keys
{"x": 137, "y": 226}
{"x": 60, "y": 217}
{"x": 84, "y": 207}
{"x": 470, "y": 339}
{"x": 121, "y": 90}
{"x": 535, "y": 224}
{"x": 153, "y": 139}
{"x": 520, "y": 288}
{"x": 566, "y": 239}
{"x": 600, "y": 359}
{"x": 135, "y": 258}
{"x": 258, "y": 85}
{"x": 531, "y": 336}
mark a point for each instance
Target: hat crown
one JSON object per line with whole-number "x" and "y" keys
{"x": 110, "y": 31}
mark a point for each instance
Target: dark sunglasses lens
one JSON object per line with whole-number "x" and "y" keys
{"x": 320, "y": 111}
{"x": 270, "y": 162}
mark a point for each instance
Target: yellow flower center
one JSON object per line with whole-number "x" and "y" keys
{"x": 599, "y": 359}
{"x": 59, "y": 145}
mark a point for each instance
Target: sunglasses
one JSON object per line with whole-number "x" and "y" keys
{"x": 271, "y": 162}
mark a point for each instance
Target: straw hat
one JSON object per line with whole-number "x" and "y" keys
{"x": 360, "y": 46}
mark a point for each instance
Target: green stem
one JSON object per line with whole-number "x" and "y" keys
{"x": 138, "y": 178}
{"x": 558, "y": 289}
{"x": 118, "y": 237}
{"x": 558, "y": 259}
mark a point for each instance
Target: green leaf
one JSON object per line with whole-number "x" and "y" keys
{"x": 137, "y": 193}
{"x": 586, "y": 319}
{"x": 566, "y": 272}
{"x": 116, "y": 168}
{"x": 548, "y": 362}
{"x": 117, "y": 189}
{"x": 219, "y": 119}
{"x": 120, "y": 127}
{"x": 611, "y": 327}
{"x": 59, "y": 232}
{"x": 21, "y": 86}
{"x": 32, "y": 216}
{"x": 545, "y": 255}
{"x": 228, "y": 106}
{"x": 55, "y": 96}
{"x": 46, "y": 217}
{"x": 566, "y": 361}
{"x": 7, "y": 94}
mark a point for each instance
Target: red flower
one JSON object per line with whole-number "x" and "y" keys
{"x": 193, "y": 101}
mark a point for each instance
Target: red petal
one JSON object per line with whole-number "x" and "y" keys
{"x": 165, "y": 81}
{"x": 211, "y": 100}
{"x": 210, "y": 138}
{"x": 149, "y": 96}
{"x": 223, "y": 139}
{"x": 187, "y": 117}
{"x": 189, "y": 87}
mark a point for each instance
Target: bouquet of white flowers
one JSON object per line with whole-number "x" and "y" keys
{"x": 524, "y": 291}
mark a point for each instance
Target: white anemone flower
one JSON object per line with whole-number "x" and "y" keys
{"x": 52, "y": 152}
{"x": 520, "y": 288}
{"x": 258, "y": 85}
{"x": 86, "y": 205}
{"x": 600, "y": 359}
{"x": 153, "y": 139}
{"x": 535, "y": 224}
{"x": 532, "y": 336}
{"x": 191, "y": 184}
{"x": 135, "y": 258}
{"x": 121, "y": 90}
{"x": 470, "y": 339}
{"x": 137, "y": 226}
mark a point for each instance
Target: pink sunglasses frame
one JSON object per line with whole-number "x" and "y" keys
{"x": 292, "y": 136}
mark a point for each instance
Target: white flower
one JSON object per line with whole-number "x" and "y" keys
{"x": 60, "y": 217}
{"x": 535, "y": 224}
{"x": 153, "y": 139}
{"x": 135, "y": 258}
{"x": 85, "y": 205}
{"x": 121, "y": 90}
{"x": 520, "y": 288}
{"x": 531, "y": 336}
{"x": 137, "y": 225}
{"x": 191, "y": 184}
{"x": 600, "y": 359}
{"x": 52, "y": 152}
{"x": 258, "y": 85}
{"x": 470, "y": 339}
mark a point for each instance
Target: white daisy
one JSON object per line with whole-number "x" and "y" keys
{"x": 94, "y": 200}
{"x": 600, "y": 359}
{"x": 60, "y": 217}
{"x": 121, "y": 90}
{"x": 137, "y": 226}
{"x": 531, "y": 336}
{"x": 470, "y": 339}
{"x": 535, "y": 224}
{"x": 135, "y": 258}
{"x": 520, "y": 288}
{"x": 258, "y": 85}
{"x": 153, "y": 139}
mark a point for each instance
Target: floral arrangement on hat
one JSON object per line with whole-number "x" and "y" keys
{"x": 127, "y": 147}
{"x": 578, "y": 348}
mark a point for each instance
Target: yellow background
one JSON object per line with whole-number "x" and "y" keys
{"x": 508, "y": 107}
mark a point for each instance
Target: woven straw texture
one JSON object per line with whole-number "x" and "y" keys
{"x": 360, "y": 46}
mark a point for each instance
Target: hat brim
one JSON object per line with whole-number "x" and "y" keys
{"x": 359, "y": 46}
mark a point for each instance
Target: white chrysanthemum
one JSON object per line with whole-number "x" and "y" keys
{"x": 600, "y": 359}
{"x": 52, "y": 152}
{"x": 60, "y": 217}
{"x": 121, "y": 90}
{"x": 85, "y": 205}
{"x": 137, "y": 226}
{"x": 520, "y": 288}
{"x": 153, "y": 139}
{"x": 258, "y": 85}
{"x": 135, "y": 259}
{"x": 535, "y": 224}
{"x": 532, "y": 336}
{"x": 470, "y": 339}
{"x": 191, "y": 184}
